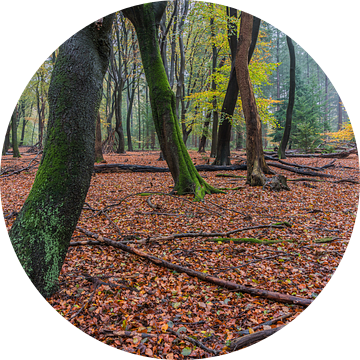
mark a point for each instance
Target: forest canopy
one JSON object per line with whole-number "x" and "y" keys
{"x": 204, "y": 35}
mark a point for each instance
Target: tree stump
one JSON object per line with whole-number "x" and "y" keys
{"x": 276, "y": 183}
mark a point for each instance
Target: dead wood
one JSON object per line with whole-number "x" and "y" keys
{"x": 268, "y": 323}
{"x": 106, "y": 168}
{"x": 192, "y": 341}
{"x": 121, "y": 333}
{"x": 276, "y": 183}
{"x": 28, "y": 167}
{"x": 271, "y": 295}
{"x": 300, "y": 166}
{"x": 298, "y": 171}
{"x": 252, "y": 338}
{"x": 337, "y": 155}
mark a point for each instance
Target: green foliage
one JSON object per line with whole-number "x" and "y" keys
{"x": 306, "y": 126}
{"x": 307, "y": 137}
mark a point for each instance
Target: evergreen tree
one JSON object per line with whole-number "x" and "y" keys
{"x": 306, "y": 115}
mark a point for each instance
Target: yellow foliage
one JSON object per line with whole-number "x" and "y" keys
{"x": 345, "y": 134}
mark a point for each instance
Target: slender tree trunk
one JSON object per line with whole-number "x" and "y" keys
{"x": 326, "y": 104}
{"x": 7, "y": 139}
{"x": 163, "y": 102}
{"x": 202, "y": 142}
{"x": 16, "y": 152}
{"x": 99, "y": 158}
{"x": 24, "y": 122}
{"x": 118, "y": 118}
{"x": 42, "y": 230}
{"x": 287, "y": 129}
{"x": 339, "y": 125}
{"x": 256, "y": 165}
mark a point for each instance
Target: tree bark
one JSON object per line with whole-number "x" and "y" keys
{"x": 16, "y": 152}
{"x": 42, "y": 231}
{"x": 145, "y": 19}
{"x": 256, "y": 165}
{"x": 289, "y": 110}
{"x": 231, "y": 96}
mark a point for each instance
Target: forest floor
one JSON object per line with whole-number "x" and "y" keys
{"x": 105, "y": 291}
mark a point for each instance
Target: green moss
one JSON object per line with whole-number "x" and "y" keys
{"x": 163, "y": 103}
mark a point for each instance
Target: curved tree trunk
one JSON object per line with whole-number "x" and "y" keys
{"x": 43, "y": 229}
{"x": 289, "y": 110}
{"x": 256, "y": 165}
{"x": 232, "y": 92}
{"x": 145, "y": 19}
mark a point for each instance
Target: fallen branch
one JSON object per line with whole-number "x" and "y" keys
{"x": 106, "y": 168}
{"x": 297, "y": 171}
{"x": 122, "y": 333}
{"x": 268, "y": 323}
{"x": 248, "y": 240}
{"x": 202, "y": 276}
{"x": 252, "y": 338}
{"x": 231, "y": 175}
{"x": 28, "y": 167}
{"x": 338, "y": 155}
{"x": 193, "y": 341}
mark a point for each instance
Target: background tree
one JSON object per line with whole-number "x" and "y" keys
{"x": 16, "y": 152}
{"x": 98, "y": 148}
{"x": 286, "y": 135}
{"x": 145, "y": 19}
{"x": 42, "y": 231}
{"x": 255, "y": 161}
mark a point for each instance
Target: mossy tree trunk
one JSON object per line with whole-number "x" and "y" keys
{"x": 145, "y": 19}
{"x": 42, "y": 231}
{"x": 256, "y": 165}
{"x": 7, "y": 140}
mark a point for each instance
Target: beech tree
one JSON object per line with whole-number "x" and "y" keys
{"x": 146, "y": 19}
{"x": 222, "y": 156}
{"x": 42, "y": 231}
{"x": 255, "y": 161}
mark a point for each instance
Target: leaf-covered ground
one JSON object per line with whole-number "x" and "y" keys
{"x": 105, "y": 291}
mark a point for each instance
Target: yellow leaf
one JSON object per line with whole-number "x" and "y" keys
{"x": 251, "y": 331}
{"x": 164, "y": 327}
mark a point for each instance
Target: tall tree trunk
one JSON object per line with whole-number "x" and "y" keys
{"x": 326, "y": 103}
{"x": 118, "y": 118}
{"x": 339, "y": 125}
{"x": 16, "y": 152}
{"x": 145, "y": 19}
{"x": 42, "y": 231}
{"x": 231, "y": 96}
{"x": 99, "y": 158}
{"x": 256, "y": 165}
{"x": 289, "y": 110}
{"x": 215, "y": 126}
{"x": 7, "y": 140}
